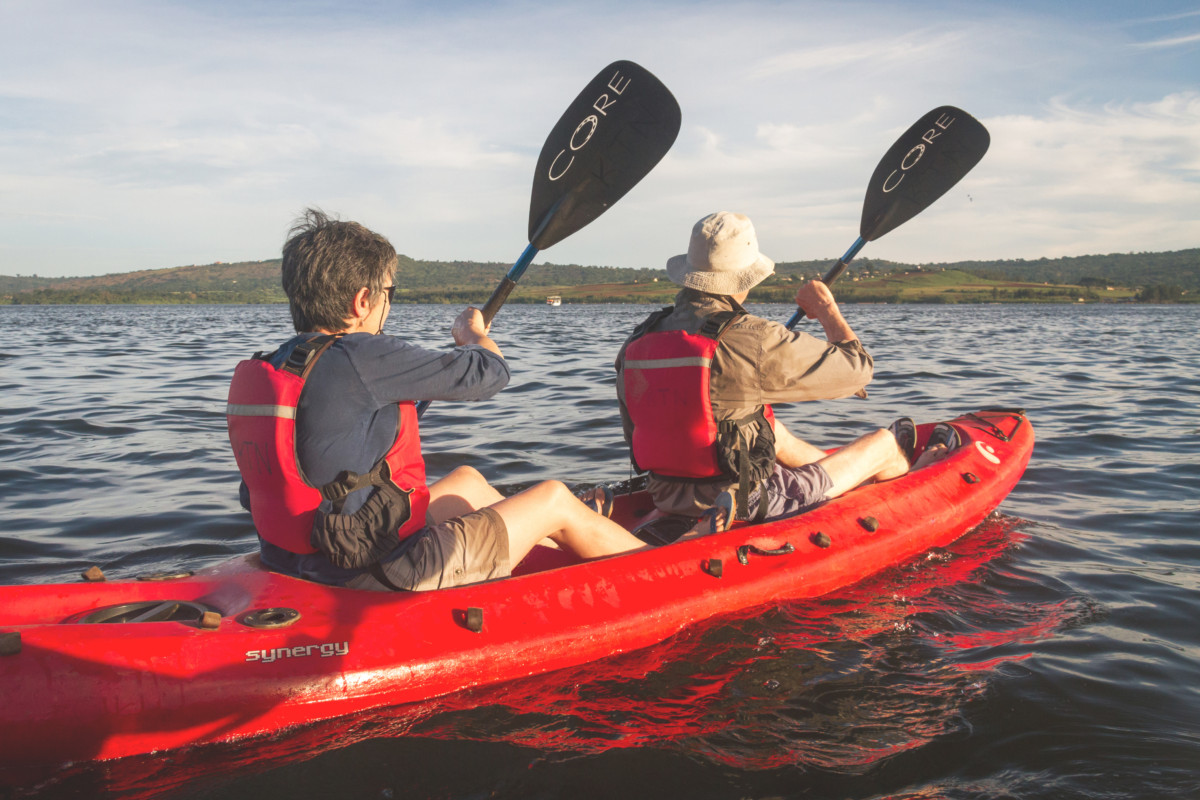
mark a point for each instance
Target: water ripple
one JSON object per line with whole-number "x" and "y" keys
{"x": 1052, "y": 653}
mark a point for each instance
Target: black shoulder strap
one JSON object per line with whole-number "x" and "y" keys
{"x": 732, "y": 429}
{"x": 717, "y": 324}
{"x": 304, "y": 357}
{"x": 648, "y": 324}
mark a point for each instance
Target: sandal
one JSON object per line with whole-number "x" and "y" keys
{"x": 600, "y": 501}
{"x": 720, "y": 516}
{"x": 905, "y": 431}
{"x": 945, "y": 435}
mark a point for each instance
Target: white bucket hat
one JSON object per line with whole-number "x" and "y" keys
{"x": 722, "y": 257}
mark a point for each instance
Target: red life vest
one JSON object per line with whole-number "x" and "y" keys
{"x": 666, "y": 378}
{"x": 667, "y": 396}
{"x": 262, "y": 431}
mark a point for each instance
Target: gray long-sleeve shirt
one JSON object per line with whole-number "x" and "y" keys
{"x": 347, "y": 415}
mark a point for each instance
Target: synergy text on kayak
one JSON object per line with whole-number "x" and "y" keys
{"x": 300, "y": 651}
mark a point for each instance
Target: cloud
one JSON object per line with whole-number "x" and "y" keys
{"x": 1084, "y": 181}
{"x": 1175, "y": 41}
{"x": 137, "y": 134}
{"x": 910, "y": 49}
{"x": 1172, "y": 17}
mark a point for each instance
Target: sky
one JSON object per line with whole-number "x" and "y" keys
{"x": 140, "y": 134}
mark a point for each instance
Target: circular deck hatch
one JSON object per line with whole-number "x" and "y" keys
{"x": 147, "y": 611}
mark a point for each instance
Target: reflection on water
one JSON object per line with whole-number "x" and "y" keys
{"x": 1051, "y": 653}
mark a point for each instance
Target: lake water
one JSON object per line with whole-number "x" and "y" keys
{"x": 1053, "y": 653}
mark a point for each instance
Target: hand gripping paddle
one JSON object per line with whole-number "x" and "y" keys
{"x": 609, "y": 138}
{"x": 933, "y": 155}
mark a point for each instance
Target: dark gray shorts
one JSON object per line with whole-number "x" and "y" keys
{"x": 466, "y": 549}
{"x": 792, "y": 491}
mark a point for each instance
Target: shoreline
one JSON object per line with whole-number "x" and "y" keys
{"x": 666, "y": 300}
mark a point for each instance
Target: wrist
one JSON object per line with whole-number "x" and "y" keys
{"x": 829, "y": 314}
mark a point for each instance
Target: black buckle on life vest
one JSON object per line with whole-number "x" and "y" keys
{"x": 347, "y": 481}
{"x": 304, "y": 355}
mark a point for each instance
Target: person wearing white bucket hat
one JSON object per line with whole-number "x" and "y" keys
{"x": 722, "y": 257}
{"x": 695, "y": 383}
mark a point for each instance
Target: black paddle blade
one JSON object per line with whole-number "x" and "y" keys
{"x": 920, "y": 167}
{"x": 610, "y": 138}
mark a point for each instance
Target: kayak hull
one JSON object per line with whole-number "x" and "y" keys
{"x": 76, "y": 691}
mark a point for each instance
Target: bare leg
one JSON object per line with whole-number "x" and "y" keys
{"x": 875, "y": 456}
{"x": 462, "y": 491}
{"x": 793, "y": 452}
{"x": 549, "y": 510}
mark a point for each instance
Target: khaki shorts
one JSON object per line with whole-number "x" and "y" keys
{"x": 466, "y": 549}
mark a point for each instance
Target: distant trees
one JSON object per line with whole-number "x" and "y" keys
{"x": 1178, "y": 267}
{"x": 1161, "y": 294}
{"x": 110, "y": 297}
{"x": 1170, "y": 277}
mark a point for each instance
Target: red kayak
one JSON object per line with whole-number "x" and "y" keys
{"x": 105, "y": 670}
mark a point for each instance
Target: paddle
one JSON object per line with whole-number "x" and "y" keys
{"x": 933, "y": 155}
{"x": 609, "y": 138}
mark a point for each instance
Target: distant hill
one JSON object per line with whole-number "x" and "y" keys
{"x": 259, "y": 282}
{"x": 240, "y": 282}
{"x": 1179, "y": 268}
{"x": 1173, "y": 275}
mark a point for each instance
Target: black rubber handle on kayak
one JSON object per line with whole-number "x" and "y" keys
{"x": 743, "y": 552}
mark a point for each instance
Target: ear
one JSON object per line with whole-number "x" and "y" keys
{"x": 361, "y": 306}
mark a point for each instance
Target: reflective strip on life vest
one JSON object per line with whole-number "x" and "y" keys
{"x": 285, "y": 412}
{"x": 667, "y": 363}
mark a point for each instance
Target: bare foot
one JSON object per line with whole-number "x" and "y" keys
{"x": 931, "y": 454}
{"x": 600, "y": 500}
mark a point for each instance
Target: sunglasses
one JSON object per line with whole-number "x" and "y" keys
{"x": 391, "y": 292}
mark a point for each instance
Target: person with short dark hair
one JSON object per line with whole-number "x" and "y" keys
{"x": 325, "y": 433}
{"x": 695, "y": 383}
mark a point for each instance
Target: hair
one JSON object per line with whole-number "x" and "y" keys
{"x": 325, "y": 263}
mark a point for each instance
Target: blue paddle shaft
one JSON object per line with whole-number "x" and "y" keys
{"x": 498, "y": 297}
{"x": 831, "y": 276}
{"x": 522, "y": 263}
